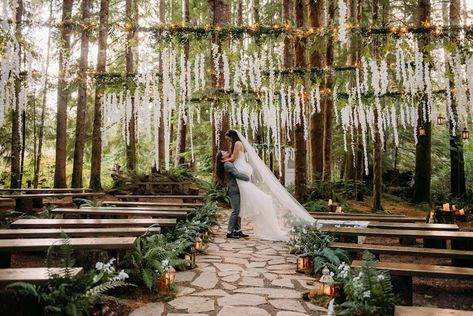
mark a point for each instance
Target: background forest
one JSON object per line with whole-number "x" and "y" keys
{"x": 153, "y": 85}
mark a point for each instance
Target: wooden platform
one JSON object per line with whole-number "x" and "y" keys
{"x": 32, "y": 275}
{"x": 78, "y": 232}
{"x": 407, "y": 251}
{"x": 115, "y": 211}
{"x": 428, "y": 311}
{"x": 397, "y": 233}
{"x": 416, "y": 226}
{"x": 167, "y": 204}
{"x": 91, "y": 223}
{"x": 43, "y": 244}
{"x": 358, "y": 214}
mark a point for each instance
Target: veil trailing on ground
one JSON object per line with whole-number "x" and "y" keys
{"x": 288, "y": 210}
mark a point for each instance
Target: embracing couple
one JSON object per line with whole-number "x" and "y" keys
{"x": 256, "y": 193}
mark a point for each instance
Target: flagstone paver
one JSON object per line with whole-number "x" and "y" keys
{"x": 240, "y": 278}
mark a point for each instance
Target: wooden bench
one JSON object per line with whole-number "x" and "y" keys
{"x": 428, "y": 311}
{"x": 47, "y": 190}
{"x": 91, "y": 223}
{"x": 160, "y": 208}
{"x": 78, "y": 232}
{"x": 26, "y": 202}
{"x": 405, "y": 251}
{"x": 357, "y": 214}
{"x": 397, "y": 233}
{"x": 9, "y": 246}
{"x": 414, "y": 226}
{"x": 115, "y": 211}
{"x": 154, "y": 187}
{"x": 173, "y": 197}
{"x": 167, "y": 204}
{"x": 402, "y": 219}
{"x": 402, "y": 274}
{"x": 32, "y": 275}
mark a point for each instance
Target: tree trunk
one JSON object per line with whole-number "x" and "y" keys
{"x": 43, "y": 104}
{"x": 130, "y": 63}
{"x": 63, "y": 97}
{"x": 23, "y": 142}
{"x": 423, "y": 166}
{"x": 219, "y": 9}
{"x": 15, "y": 138}
{"x": 377, "y": 141}
{"x": 300, "y": 145}
{"x": 328, "y": 108}
{"x": 457, "y": 165}
{"x": 161, "y": 153}
{"x": 317, "y": 59}
{"x": 181, "y": 126}
{"x": 81, "y": 100}
{"x": 256, "y": 11}
{"x": 96, "y": 160}
{"x": 353, "y": 58}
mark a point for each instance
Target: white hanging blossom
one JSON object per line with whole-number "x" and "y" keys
{"x": 342, "y": 18}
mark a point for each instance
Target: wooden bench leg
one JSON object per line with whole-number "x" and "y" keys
{"x": 462, "y": 245}
{"x": 38, "y": 203}
{"x": 403, "y": 288}
{"x": 24, "y": 205}
{"x": 407, "y": 241}
{"x": 5, "y": 260}
{"x": 435, "y": 243}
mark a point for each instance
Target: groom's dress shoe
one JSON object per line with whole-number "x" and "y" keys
{"x": 241, "y": 234}
{"x": 233, "y": 236}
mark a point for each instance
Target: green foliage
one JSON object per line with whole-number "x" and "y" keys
{"x": 63, "y": 294}
{"x": 87, "y": 203}
{"x": 316, "y": 245}
{"x": 216, "y": 193}
{"x": 368, "y": 292}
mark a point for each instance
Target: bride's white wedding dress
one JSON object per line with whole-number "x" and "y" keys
{"x": 273, "y": 210}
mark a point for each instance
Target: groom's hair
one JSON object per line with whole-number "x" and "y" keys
{"x": 234, "y": 136}
{"x": 219, "y": 169}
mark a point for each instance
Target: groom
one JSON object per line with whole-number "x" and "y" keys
{"x": 231, "y": 173}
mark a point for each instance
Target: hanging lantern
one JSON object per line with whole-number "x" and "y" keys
{"x": 422, "y": 131}
{"x": 465, "y": 134}
{"x": 327, "y": 286}
{"x": 303, "y": 263}
{"x": 198, "y": 244}
{"x": 190, "y": 256}
{"x": 168, "y": 278}
{"x": 440, "y": 120}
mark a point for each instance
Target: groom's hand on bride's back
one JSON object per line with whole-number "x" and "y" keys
{"x": 230, "y": 168}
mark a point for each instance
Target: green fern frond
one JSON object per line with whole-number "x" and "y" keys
{"x": 104, "y": 287}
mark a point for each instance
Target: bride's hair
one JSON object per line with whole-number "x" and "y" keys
{"x": 219, "y": 169}
{"x": 234, "y": 136}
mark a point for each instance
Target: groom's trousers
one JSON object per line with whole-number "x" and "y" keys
{"x": 234, "y": 223}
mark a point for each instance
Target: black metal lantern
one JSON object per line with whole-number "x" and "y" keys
{"x": 465, "y": 134}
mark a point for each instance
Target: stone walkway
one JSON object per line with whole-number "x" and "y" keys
{"x": 239, "y": 277}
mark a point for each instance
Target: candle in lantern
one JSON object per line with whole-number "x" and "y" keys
{"x": 339, "y": 209}
{"x": 330, "y": 202}
{"x": 461, "y": 212}
{"x": 303, "y": 263}
{"x": 327, "y": 286}
{"x": 431, "y": 218}
{"x": 446, "y": 207}
{"x": 198, "y": 244}
{"x": 454, "y": 208}
{"x": 168, "y": 278}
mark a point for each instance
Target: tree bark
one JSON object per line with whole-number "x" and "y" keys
{"x": 161, "y": 153}
{"x": 96, "y": 160}
{"x": 300, "y": 145}
{"x": 130, "y": 5}
{"x": 63, "y": 97}
{"x": 328, "y": 108}
{"x": 43, "y": 104}
{"x": 81, "y": 100}
{"x": 15, "y": 177}
{"x": 181, "y": 126}
{"x": 219, "y": 9}
{"x": 457, "y": 164}
{"x": 423, "y": 166}
{"x": 317, "y": 59}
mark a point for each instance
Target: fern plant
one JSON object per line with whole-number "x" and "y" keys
{"x": 368, "y": 291}
{"x": 87, "y": 203}
{"x": 316, "y": 244}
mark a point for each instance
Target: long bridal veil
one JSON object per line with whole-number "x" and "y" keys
{"x": 288, "y": 210}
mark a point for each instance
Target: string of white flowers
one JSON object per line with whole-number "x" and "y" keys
{"x": 342, "y": 19}
{"x": 226, "y": 72}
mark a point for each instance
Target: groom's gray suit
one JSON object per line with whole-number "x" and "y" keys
{"x": 234, "y": 223}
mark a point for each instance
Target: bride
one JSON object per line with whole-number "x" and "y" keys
{"x": 271, "y": 207}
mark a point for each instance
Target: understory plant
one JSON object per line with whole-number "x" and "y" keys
{"x": 316, "y": 244}
{"x": 64, "y": 294}
{"x": 366, "y": 291}
{"x": 216, "y": 193}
